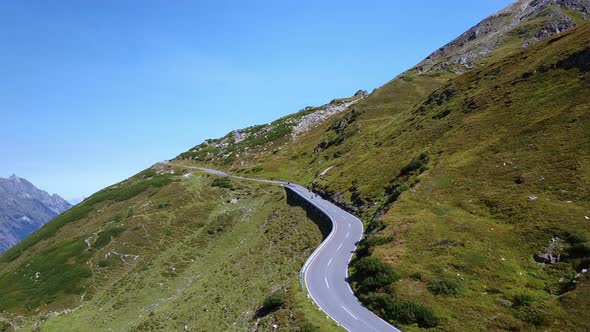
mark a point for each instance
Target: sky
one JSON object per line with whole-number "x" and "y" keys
{"x": 92, "y": 92}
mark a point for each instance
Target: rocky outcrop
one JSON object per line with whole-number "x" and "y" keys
{"x": 256, "y": 141}
{"x": 312, "y": 120}
{"x": 23, "y": 209}
{"x": 528, "y": 20}
{"x": 553, "y": 253}
{"x": 361, "y": 93}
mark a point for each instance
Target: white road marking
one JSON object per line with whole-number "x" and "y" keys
{"x": 350, "y": 289}
{"x": 330, "y": 262}
{"x": 350, "y": 313}
{"x": 322, "y": 205}
{"x": 326, "y": 280}
{"x": 340, "y": 246}
{"x": 347, "y": 234}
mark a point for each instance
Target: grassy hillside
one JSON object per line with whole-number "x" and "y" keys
{"x": 471, "y": 176}
{"x": 473, "y": 189}
{"x": 161, "y": 251}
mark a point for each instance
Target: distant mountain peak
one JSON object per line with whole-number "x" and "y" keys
{"x": 24, "y": 208}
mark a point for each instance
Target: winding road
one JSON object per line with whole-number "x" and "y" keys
{"x": 325, "y": 273}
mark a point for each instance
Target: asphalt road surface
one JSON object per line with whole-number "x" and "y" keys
{"x": 325, "y": 273}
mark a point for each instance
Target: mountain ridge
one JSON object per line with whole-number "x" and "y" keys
{"x": 461, "y": 180}
{"x": 504, "y": 30}
{"x": 24, "y": 208}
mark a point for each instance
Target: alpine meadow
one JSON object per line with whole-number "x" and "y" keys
{"x": 470, "y": 173}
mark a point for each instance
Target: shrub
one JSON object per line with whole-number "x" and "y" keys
{"x": 416, "y": 276}
{"x": 308, "y": 327}
{"x": 105, "y": 237}
{"x": 533, "y": 316}
{"x": 580, "y": 249}
{"x": 405, "y": 312}
{"x": 523, "y": 299}
{"x": 148, "y": 173}
{"x": 418, "y": 163}
{"x": 257, "y": 169}
{"x": 445, "y": 286}
{"x": 223, "y": 182}
{"x": 274, "y": 301}
{"x": 366, "y": 244}
{"x": 371, "y": 274}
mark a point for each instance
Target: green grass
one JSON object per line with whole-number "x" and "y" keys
{"x": 429, "y": 162}
{"x": 175, "y": 260}
{"x": 105, "y": 237}
{"x": 120, "y": 192}
{"x": 512, "y": 128}
{"x": 56, "y": 271}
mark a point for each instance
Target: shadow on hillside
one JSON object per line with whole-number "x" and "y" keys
{"x": 313, "y": 213}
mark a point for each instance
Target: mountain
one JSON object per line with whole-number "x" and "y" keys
{"x": 519, "y": 25}
{"x": 24, "y": 208}
{"x": 472, "y": 182}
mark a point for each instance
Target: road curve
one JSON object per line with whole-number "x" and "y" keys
{"x": 325, "y": 273}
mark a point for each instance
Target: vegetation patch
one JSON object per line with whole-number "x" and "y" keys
{"x": 398, "y": 311}
{"x": 445, "y": 286}
{"x": 274, "y": 301}
{"x": 44, "y": 276}
{"x": 105, "y": 237}
{"x": 223, "y": 182}
{"x": 371, "y": 274}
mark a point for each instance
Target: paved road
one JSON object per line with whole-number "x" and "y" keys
{"x": 325, "y": 273}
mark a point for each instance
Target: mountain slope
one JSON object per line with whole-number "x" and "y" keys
{"x": 471, "y": 185}
{"x": 163, "y": 250}
{"x": 462, "y": 181}
{"x": 519, "y": 25}
{"x": 23, "y": 209}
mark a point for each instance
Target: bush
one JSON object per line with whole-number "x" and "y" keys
{"x": 523, "y": 299}
{"x": 274, "y": 301}
{"x": 418, "y": 163}
{"x": 416, "y": 276}
{"x": 580, "y": 250}
{"x": 105, "y": 237}
{"x": 257, "y": 169}
{"x": 223, "y": 182}
{"x": 371, "y": 274}
{"x": 533, "y": 316}
{"x": 366, "y": 245}
{"x": 308, "y": 327}
{"x": 445, "y": 286}
{"x": 405, "y": 312}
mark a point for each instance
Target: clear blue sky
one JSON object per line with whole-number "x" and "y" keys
{"x": 92, "y": 92}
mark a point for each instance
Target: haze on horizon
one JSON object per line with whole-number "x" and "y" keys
{"x": 93, "y": 93}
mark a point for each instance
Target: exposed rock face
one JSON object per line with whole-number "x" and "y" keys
{"x": 310, "y": 121}
{"x": 361, "y": 93}
{"x": 239, "y": 146}
{"x": 553, "y": 252}
{"x": 23, "y": 209}
{"x": 526, "y": 20}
